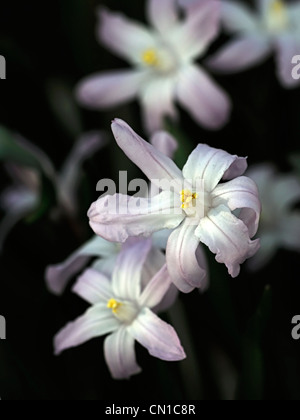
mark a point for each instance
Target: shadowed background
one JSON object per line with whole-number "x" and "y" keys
{"x": 238, "y": 335}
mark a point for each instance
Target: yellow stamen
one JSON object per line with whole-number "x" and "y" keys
{"x": 187, "y": 198}
{"x": 278, "y": 7}
{"x": 114, "y": 305}
{"x": 150, "y": 57}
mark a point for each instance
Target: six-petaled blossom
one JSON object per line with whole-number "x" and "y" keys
{"x": 193, "y": 203}
{"x": 125, "y": 309}
{"x": 280, "y": 224}
{"x": 275, "y": 27}
{"x": 164, "y": 60}
{"x": 58, "y": 275}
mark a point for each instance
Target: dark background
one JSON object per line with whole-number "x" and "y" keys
{"x": 237, "y": 329}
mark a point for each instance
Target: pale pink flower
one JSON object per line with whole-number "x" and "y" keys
{"x": 195, "y": 214}
{"x": 164, "y": 64}
{"x": 123, "y": 308}
{"x": 274, "y": 27}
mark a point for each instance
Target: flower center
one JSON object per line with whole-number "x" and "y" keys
{"x": 150, "y": 57}
{"x": 277, "y": 18}
{"x": 114, "y": 305}
{"x": 161, "y": 59}
{"x": 188, "y": 199}
{"x": 125, "y": 312}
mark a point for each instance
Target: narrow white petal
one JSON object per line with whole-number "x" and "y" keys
{"x": 155, "y": 291}
{"x": 185, "y": 259}
{"x": 93, "y": 287}
{"x": 155, "y": 165}
{"x": 163, "y": 15}
{"x": 240, "y": 193}
{"x": 123, "y": 36}
{"x": 211, "y": 165}
{"x": 119, "y": 217}
{"x": 227, "y": 237}
{"x": 164, "y": 143}
{"x": 120, "y": 355}
{"x": 127, "y": 275}
{"x": 106, "y": 90}
{"x": 58, "y": 276}
{"x": 203, "y": 98}
{"x": 97, "y": 321}
{"x": 159, "y": 338}
{"x": 238, "y": 17}
{"x": 240, "y": 54}
{"x": 157, "y": 98}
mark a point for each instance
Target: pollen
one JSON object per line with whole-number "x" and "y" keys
{"x": 278, "y": 7}
{"x": 187, "y": 198}
{"x": 150, "y": 57}
{"x": 114, "y": 305}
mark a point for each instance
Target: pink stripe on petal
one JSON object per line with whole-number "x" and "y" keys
{"x": 203, "y": 98}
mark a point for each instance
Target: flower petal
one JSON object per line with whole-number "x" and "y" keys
{"x": 185, "y": 261}
{"x": 203, "y": 98}
{"x": 156, "y": 289}
{"x": 153, "y": 264}
{"x": 240, "y": 54}
{"x": 58, "y": 276}
{"x": 211, "y": 165}
{"x": 105, "y": 90}
{"x": 160, "y": 239}
{"x": 238, "y": 17}
{"x": 240, "y": 193}
{"x": 157, "y": 98}
{"x": 159, "y": 338}
{"x": 155, "y": 165}
{"x": 93, "y": 287}
{"x": 125, "y": 37}
{"x": 127, "y": 275}
{"x": 97, "y": 321}
{"x": 120, "y": 355}
{"x": 199, "y": 29}
{"x": 87, "y": 145}
{"x": 164, "y": 143}
{"x": 228, "y": 237}
{"x": 118, "y": 217}
{"x": 163, "y": 15}
{"x": 287, "y": 46}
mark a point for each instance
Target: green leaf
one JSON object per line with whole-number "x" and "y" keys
{"x": 11, "y": 150}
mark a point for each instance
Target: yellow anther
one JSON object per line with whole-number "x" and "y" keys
{"x": 187, "y": 198}
{"x": 278, "y": 7}
{"x": 150, "y": 57}
{"x": 114, "y": 305}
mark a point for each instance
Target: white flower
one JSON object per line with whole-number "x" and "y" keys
{"x": 58, "y": 275}
{"x": 122, "y": 308}
{"x": 280, "y": 224}
{"x": 276, "y": 27}
{"x": 198, "y": 212}
{"x": 164, "y": 60}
